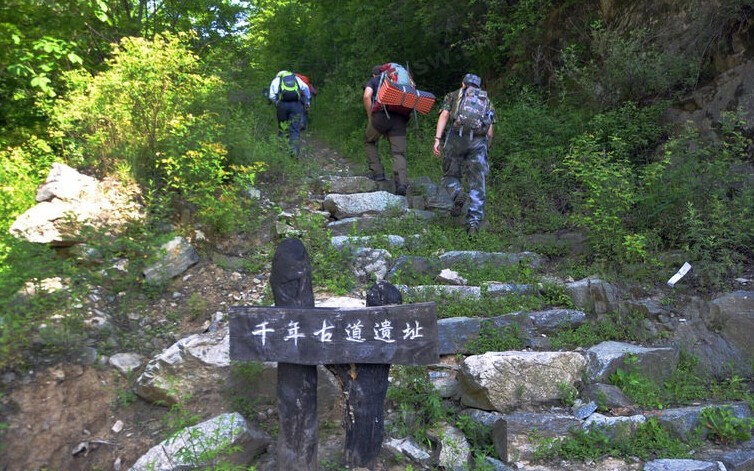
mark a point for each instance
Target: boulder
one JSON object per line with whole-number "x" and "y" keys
{"x": 503, "y": 381}
{"x": 594, "y": 296}
{"x": 191, "y": 365}
{"x": 68, "y": 201}
{"x": 476, "y": 258}
{"x": 655, "y": 363}
{"x": 192, "y": 446}
{"x": 681, "y": 465}
{"x": 175, "y": 257}
{"x": 452, "y": 449}
{"x": 361, "y": 204}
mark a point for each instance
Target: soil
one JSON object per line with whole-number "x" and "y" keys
{"x": 62, "y": 415}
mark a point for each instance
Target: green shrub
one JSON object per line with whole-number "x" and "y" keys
{"x": 724, "y": 427}
{"x": 496, "y": 339}
{"x": 649, "y": 440}
{"x": 416, "y": 401}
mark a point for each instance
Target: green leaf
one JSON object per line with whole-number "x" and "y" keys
{"x": 75, "y": 58}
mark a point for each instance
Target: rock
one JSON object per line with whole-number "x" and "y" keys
{"x": 457, "y": 292}
{"x": 581, "y": 411}
{"x": 497, "y": 289}
{"x": 176, "y": 256}
{"x": 445, "y": 382}
{"x": 681, "y": 465}
{"x": 117, "y": 427}
{"x": 369, "y": 265}
{"x": 594, "y": 296}
{"x": 346, "y": 185}
{"x": 361, "y": 204}
{"x": 608, "y": 397}
{"x": 684, "y": 421}
{"x": 190, "y": 447}
{"x": 413, "y": 267}
{"x": 550, "y": 321}
{"x": 450, "y": 277}
{"x": 409, "y": 448}
{"x": 476, "y": 258}
{"x": 126, "y": 363}
{"x": 453, "y": 451}
{"x": 617, "y": 428}
{"x": 502, "y": 381}
{"x": 656, "y": 363}
{"x": 69, "y": 200}
{"x": 733, "y": 316}
{"x": 350, "y": 225}
{"x": 392, "y": 241}
{"x": 453, "y": 333}
{"x": 512, "y": 433}
{"x": 195, "y": 363}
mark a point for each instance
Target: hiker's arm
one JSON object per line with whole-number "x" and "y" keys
{"x": 490, "y": 135}
{"x": 368, "y": 92}
{"x": 272, "y": 94}
{"x": 442, "y": 121}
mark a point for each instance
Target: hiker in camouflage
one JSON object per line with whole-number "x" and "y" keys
{"x": 469, "y": 116}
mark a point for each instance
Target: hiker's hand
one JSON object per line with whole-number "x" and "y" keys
{"x": 436, "y": 148}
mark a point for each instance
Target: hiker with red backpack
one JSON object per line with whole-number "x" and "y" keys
{"x": 463, "y": 136}
{"x": 291, "y": 97}
{"x": 389, "y": 122}
{"x": 312, "y": 94}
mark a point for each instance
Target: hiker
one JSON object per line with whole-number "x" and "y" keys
{"x": 291, "y": 97}
{"x": 312, "y": 94}
{"x": 469, "y": 116}
{"x": 390, "y": 124}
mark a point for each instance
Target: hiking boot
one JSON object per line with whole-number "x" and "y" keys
{"x": 472, "y": 229}
{"x": 458, "y": 202}
{"x": 380, "y": 177}
{"x": 401, "y": 190}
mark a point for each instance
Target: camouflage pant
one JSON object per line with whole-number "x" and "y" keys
{"x": 466, "y": 158}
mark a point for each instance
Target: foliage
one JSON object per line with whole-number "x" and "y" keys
{"x": 649, "y": 439}
{"x": 702, "y": 202}
{"x": 724, "y": 427}
{"x": 615, "y": 67}
{"x": 417, "y": 403}
{"x": 639, "y": 388}
{"x": 612, "y": 326}
{"x": 495, "y": 339}
{"x": 609, "y": 183}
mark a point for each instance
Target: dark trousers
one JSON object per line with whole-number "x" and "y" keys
{"x": 394, "y": 129}
{"x": 289, "y": 115}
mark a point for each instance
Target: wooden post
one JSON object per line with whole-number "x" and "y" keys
{"x": 363, "y": 341}
{"x": 365, "y": 387}
{"x": 291, "y": 283}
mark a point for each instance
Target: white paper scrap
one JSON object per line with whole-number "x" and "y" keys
{"x": 679, "y": 274}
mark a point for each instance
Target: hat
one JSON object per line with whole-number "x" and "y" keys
{"x": 472, "y": 80}
{"x": 377, "y": 70}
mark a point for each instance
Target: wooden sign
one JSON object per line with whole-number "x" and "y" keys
{"x": 404, "y": 334}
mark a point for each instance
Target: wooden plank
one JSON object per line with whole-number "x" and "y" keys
{"x": 397, "y": 334}
{"x": 291, "y": 283}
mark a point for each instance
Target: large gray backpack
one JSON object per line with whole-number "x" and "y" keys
{"x": 474, "y": 112}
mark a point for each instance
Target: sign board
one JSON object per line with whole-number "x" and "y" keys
{"x": 404, "y": 334}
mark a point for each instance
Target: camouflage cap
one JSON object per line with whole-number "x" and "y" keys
{"x": 472, "y": 80}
